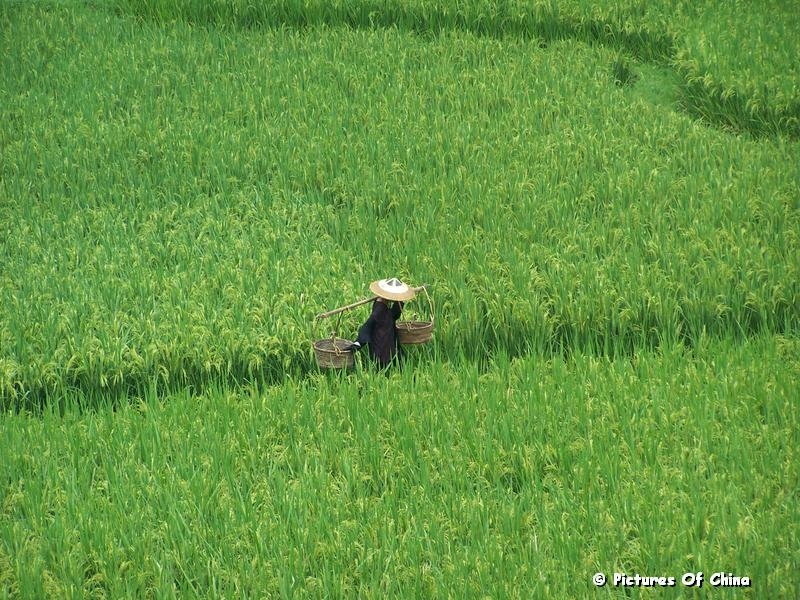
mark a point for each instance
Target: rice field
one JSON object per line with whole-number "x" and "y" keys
{"x": 519, "y": 482}
{"x": 604, "y": 199}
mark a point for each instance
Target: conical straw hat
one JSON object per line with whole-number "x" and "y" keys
{"x": 392, "y": 289}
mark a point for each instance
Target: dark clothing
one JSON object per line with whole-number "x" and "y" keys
{"x": 380, "y": 333}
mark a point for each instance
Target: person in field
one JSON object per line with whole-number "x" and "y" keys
{"x": 379, "y": 332}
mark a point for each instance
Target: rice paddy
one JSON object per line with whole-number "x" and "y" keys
{"x": 605, "y": 201}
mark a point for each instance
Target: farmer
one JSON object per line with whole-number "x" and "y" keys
{"x": 380, "y": 332}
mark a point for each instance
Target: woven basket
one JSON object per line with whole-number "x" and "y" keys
{"x": 414, "y": 332}
{"x": 331, "y": 354}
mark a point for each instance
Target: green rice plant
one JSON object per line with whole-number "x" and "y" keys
{"x": 183, "y": 215}
{"x": 522, "y": 480}
{"x": 612, "y": 381}
{"x": 737, "y": 60}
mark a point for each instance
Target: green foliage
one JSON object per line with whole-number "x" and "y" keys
{"x": 622, "y": 73}
{"x": 521, "y": 482}
{"x": 737, "y": 59}
{"x": 613, "y": 380}
{"x": 179, "y": 208}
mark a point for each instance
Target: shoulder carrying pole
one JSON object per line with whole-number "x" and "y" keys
{"x": 336, "y": 311}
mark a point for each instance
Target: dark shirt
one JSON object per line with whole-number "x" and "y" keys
{"x": 380, "y": 333}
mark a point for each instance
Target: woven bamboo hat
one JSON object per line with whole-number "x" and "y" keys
{"x": 392, "y": 289}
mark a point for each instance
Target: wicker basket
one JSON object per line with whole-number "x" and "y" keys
{"x": 414, "y": 332}
{"x": 331, "y": 353}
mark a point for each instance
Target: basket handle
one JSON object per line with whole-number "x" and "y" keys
{"x": 430, "y": 302}
{"x": 334, "y": 336}
{"x": 334, "y": 331}
{"x": 415, "y": 315}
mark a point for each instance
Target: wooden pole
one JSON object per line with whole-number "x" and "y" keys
{"x": 336, "y": 311}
